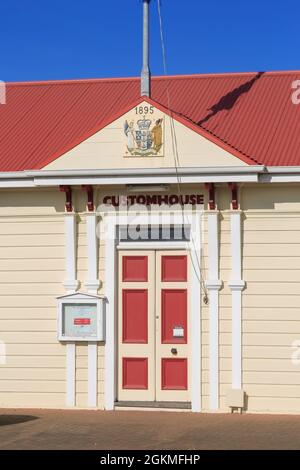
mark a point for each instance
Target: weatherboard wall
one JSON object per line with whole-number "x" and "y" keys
{"x": 32, "y": 272}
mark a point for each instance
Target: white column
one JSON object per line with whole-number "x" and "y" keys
{"x": 195, "y": 258}
{"x": 92, "y": 374}
{"x": 71, "y": 285}
{"x": 213, "y": 285}
{"x": 236, "y": 285}
{"x": 71, "y": 371}
{"x": 92, "y": 284}
{"x": 110, "y": 331}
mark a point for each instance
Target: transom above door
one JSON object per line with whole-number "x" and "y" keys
{"x": 153, "y": 326}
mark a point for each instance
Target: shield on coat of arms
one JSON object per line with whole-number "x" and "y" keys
{"x": 143, "y": 134}
{"x": 144, "y": 137}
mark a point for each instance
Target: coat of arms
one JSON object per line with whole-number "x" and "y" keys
{"x": 144, "y": 137}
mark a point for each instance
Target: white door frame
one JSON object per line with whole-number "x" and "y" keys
{"x": 194, "y": 247}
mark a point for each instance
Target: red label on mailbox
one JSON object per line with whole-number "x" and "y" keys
{"x": 82, "y": 321}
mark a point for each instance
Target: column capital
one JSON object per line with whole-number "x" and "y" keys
{"x": 236, "y": 211}
{"x": 237, "y": 285}
{"x": 212, "y": 212}
{"x": 214, "y": 285}
{"x": 69, "y": 215}
{"x": 91, "y": 214}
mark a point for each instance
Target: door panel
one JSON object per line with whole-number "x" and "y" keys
{"x": 172, "y": 326}
{"x": 173, "y": 268}
{"x": 135, "y": 373}
{"x": 136, "y": 324}
{"x": 173, "y": 315}
{"x": 174, "y": 375}
{"x": 135, "y": 316}
{"x": 135, "y": 268}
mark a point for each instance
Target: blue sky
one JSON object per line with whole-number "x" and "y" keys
{"x": 63, "y": 39}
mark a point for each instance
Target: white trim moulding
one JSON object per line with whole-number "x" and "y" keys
{"x": 247, "y": 173}
{"x": 128, "y": 176}
{"x": 111, "y": 314}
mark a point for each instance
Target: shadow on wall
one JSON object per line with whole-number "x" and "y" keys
{"x": 7, "y": 420}
{"x": 246, "y": 402}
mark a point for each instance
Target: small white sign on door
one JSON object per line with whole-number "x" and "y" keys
{"x": 178, "y": 332}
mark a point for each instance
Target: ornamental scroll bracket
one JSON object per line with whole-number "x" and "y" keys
{"x": 234, "y": 195}
{"x": 90, "y": 196}
{"x": 68, "y": 193}
{"x": 211, "y": 196}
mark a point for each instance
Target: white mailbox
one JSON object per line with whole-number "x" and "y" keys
{"x": 81, "y": 317}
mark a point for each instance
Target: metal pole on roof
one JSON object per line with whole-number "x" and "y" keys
{"x": 145, "y": 75}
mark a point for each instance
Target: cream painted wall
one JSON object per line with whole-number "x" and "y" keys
{"x": 271, "y": 269}
{"x": 106, "y": 149}
{"x": 270, "y": 301}
{"x": 32, "y": 270}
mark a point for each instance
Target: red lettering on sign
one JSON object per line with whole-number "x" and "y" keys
{"x": 153, "y": 199}
{"x": 82, "y": 321}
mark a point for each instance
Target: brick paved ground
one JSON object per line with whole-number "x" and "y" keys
{"x": 44, "y": 429}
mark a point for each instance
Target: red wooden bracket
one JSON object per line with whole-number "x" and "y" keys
{"x": 68, "y": 192}
{"x": 234, "y": 195}
{"x": 211, "y": 196}
{"x": 90, "y": 196}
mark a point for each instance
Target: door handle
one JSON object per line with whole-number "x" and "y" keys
{"x": 174, "y": 351}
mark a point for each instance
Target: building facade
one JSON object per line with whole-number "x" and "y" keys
{"x": 182, "y": 214}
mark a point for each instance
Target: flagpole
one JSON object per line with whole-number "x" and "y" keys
{"x": 145, "y": 75}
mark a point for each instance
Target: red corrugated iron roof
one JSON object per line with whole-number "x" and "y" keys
{"x": 249, "y": 114}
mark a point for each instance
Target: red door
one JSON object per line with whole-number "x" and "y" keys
{"x": 153, "y": 326}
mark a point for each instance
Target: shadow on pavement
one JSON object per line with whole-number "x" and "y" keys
{"x": 6, "y": 420}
